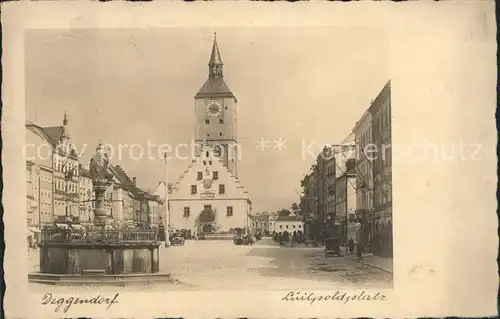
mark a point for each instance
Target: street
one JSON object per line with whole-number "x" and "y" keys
{"x": 221, "y": 265}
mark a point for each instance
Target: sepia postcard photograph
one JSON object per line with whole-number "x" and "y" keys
{"x": 202, "y": 162}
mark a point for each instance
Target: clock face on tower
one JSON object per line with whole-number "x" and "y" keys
{"x": 214, "y": 108}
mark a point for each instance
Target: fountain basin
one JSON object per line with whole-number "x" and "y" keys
{"x": 106, "y": 258}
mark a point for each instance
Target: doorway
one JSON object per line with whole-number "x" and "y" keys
{"x": 207, "y": 228}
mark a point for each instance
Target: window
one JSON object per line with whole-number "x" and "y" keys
{"x": 207, "y": 209}
{"x": 207, "y": 121}
{"x": 207, "y": 154}
{"x": 293, "y": 226}
{"x": 204, "y": 163}
{"x": 215, "y": 175}
{"x": 300, "y": 226}
{"x": 200, "y": 176}
{"x": 229, "y": 211}
{"x": 208, "y": 134}
{"x": 222, "y": 189}
{"x": 193, "y": 189}
{"x": 286, "y": 226}
{"x": 220, "y": 133}
{"x": 187, "y": 211}
{"x": 281, "y": 226}
{"x": 221, "y": 121}
{"x": 209, "y": 162}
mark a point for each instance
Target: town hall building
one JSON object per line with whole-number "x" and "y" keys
{"x": 209, "y": 197}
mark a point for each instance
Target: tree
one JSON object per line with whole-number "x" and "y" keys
{"x": 283, "y": 212}
{"x": 295, "y": 208}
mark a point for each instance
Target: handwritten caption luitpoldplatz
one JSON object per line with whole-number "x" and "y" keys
{"x": 66, "y": 302}
{"x": 337, "y": 296}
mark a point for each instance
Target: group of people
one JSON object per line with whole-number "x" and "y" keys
{"x": 285, "y": 237}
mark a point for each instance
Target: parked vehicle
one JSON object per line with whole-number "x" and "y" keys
{"x": 178, "y": 239}
{"x": 238, "y": 240}
{"x": 332, "y": 246}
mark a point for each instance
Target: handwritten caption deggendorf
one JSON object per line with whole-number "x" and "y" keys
{"x": 66, "y": 302}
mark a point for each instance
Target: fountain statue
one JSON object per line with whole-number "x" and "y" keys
{"x": 101, "y": 180}
{"x": 99, "y": 255}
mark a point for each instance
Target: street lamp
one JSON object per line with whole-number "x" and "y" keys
{"x": 167, "y": 212}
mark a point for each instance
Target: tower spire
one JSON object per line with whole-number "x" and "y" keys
{"x": 215, "y": 63}
{"x": 65, "y": 133}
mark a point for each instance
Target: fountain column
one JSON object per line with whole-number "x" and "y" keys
{"x": 100, "y": 217}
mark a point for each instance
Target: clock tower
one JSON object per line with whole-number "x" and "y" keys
{"x": 215, "y": 110}
{"x": 209, "y": 198}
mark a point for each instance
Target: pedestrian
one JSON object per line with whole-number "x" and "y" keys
{"x": 350, "y": 244}
{"x": 286, "y": 237}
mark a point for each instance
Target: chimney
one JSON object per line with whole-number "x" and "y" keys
{"x": 134, "y": 180}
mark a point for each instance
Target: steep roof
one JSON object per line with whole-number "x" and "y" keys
{"x": 289, "y": 218}
{"x": 54, "y": 133}
{"x": 214, "y": 87}
{"x": 120, "y": 174}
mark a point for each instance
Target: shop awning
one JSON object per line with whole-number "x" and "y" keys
{"x": 78, "y": 227}
{"x": 34, "y": 230}
{"x": 62, "y": 226}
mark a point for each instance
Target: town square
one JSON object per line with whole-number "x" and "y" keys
{"x": 217, "y": 208}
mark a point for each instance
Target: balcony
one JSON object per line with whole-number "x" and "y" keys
{"x": 207, "y": 216}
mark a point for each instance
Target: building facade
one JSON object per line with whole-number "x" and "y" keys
{"x": 121, "y": 198}
{"x": 46, "y": 195}
{"x": 264, "y": 223}
{"x": 153, "y": 210}
{"x": 364, "y": 174}
{"x": 291, "y": 223}
{"x": 330, "y": 179}
{"x": 32, "y": 196}
{"x": 209, "y": 197}
{"x": 309, "y": 203}
{"x": 66, "y": 171}
{"x": 345, "y": 189}
{"x": 318, "y": 195}
{"x": 380, "y": 111}
{"x": 39, "y": 177}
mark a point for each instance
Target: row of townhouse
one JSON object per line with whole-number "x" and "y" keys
{"x": 350, "y": 185}
{"x": 374, "y": 174}
{"x": 59, "y": 187}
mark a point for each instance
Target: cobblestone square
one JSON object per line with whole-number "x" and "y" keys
{"x": 221, "y": 265}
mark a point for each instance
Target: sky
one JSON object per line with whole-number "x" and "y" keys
{"x": 305, "y": 86}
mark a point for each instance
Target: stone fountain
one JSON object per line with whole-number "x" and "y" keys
{"x": 100, "y": 255}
